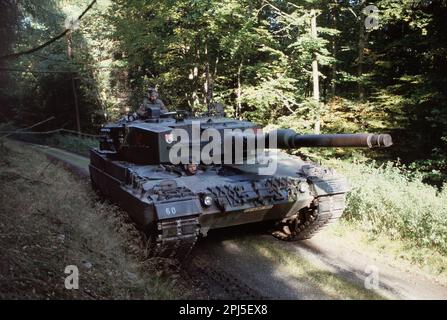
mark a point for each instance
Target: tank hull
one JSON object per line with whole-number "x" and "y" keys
{"x": 151, "y": 194}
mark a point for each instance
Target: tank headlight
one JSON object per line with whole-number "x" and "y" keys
{"x": 207, "y": 201}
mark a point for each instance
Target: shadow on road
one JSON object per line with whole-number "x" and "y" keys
{"x": 274, "y": 268}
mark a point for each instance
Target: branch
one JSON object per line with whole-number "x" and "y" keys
{"x": 289, "y": 101}
{"x": 47, "y": 43}
{"x": 33, "y": 71}
{"x": 30, "y": 127}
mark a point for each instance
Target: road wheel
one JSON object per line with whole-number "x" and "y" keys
{"x": 296, "y": 228}
{"x": 309, "y": 221}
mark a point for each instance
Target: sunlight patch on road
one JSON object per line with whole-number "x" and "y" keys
{"x": 297, "y": 268}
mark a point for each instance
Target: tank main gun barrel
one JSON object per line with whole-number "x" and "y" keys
{"x": 289, "y": 139}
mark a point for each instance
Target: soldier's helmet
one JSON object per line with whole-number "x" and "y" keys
{"x": 152, "y": 93}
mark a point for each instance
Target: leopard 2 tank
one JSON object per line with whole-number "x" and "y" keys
{"x": 180, "y": 176}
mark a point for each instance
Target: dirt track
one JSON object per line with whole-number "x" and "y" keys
{"x": 323, "y": 256}
{"x": 236, "y": 264}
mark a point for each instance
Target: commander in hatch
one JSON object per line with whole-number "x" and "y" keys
{"x": 151, "y": 100}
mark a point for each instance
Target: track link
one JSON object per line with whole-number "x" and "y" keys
{"x": 174, "y": 238}
{"x": 324, "y": 211}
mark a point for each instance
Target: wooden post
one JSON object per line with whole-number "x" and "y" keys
{"x": 315, "y": 75}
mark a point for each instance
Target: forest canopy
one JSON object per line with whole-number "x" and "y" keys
{"x": 382, "y": 65}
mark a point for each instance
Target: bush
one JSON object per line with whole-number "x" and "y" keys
{"x": 73, "y": 143}
{"x": 388, "y": 199}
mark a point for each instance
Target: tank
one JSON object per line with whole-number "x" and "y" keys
{"x": 179, "y": 177}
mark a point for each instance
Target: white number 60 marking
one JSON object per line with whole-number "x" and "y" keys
{"x": 170, "y": 211}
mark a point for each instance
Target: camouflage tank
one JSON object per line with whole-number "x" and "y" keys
{"x": 176, "y": 189}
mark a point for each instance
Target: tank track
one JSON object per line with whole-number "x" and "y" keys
{"x": 174, "y": 238}
{"x": 324, "y": 211}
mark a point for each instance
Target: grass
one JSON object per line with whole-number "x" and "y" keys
{"x": 388, "y": 200}
{"x": 80, "y": 145}
{"x": 397, "y": 211}
{"x": 67, "y": 141}
{"x": 49, "y": 220}
{"x": 399, "y": 252}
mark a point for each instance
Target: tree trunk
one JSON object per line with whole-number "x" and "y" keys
{"x": 208, "y": 80}
{"x": 195, "y": 75}
{"x": 239, "y": 91}
{"x": 75, "y": 97}
{"x": 334, "y": 49}
{"x": 315, "y": 75}
{"x": 73, "y": 84}
{"x": 363, "y": 39}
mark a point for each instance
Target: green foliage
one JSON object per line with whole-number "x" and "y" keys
{"x": 39, "y": 84}
{"x": 433, "y": 171}
{"x": 73, "y": 143}
{"x": 391, "y": 200}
